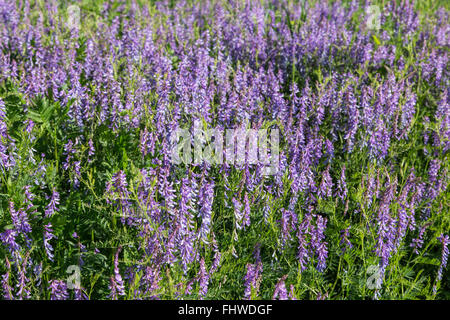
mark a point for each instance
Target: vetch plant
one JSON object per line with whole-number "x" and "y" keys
{"x": 224, "y": 150}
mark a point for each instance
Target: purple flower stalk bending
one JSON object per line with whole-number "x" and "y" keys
{"x": 288, "y": 223}
{"x": 48, "y": 235}
{"x": 20, "y": 219}
{"x": 417, "y": 243}
{"x": 341, "y": 189}
{"x": 345, "y": 242}
{"x": 203, "y": 279}
{"x": 117, "y": 188}
{"x": 23, "y": 291}
{"x": 29, "y": 197}
{"x": 246, "y": 218}
{"x": 316, "y": 241}
{"x": 186, "y": 234}
{"x": 216, "y": 263}
{"x": 8, "y": 238}
{"x": 7, "y": 290}
{"x": 326, "y": 185}
{"x": 386, "y": 228}
{"x": 303, "y": 249}
{"x": 238, "y": 214}
{"x": 52, "y": 206}
{"x": 445, "y": 240}
{"x": 91, "y": 151}
{"x": 252, "y": 278}
{"x": 116, "y": 283}
{"x": 6, "y": 156}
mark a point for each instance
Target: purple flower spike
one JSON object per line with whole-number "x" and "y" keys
{"x": 116, "y": 283}
{"x": 58, "y": 290}
{"x": 52, "y": 206}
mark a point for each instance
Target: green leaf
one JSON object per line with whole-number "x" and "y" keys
{"x": 376, "y": 40}
{"x": 430, "y": 261}
{"x": 36, "y": 117}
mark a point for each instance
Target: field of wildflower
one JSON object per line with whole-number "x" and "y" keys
{"x": 93, "y": 205}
